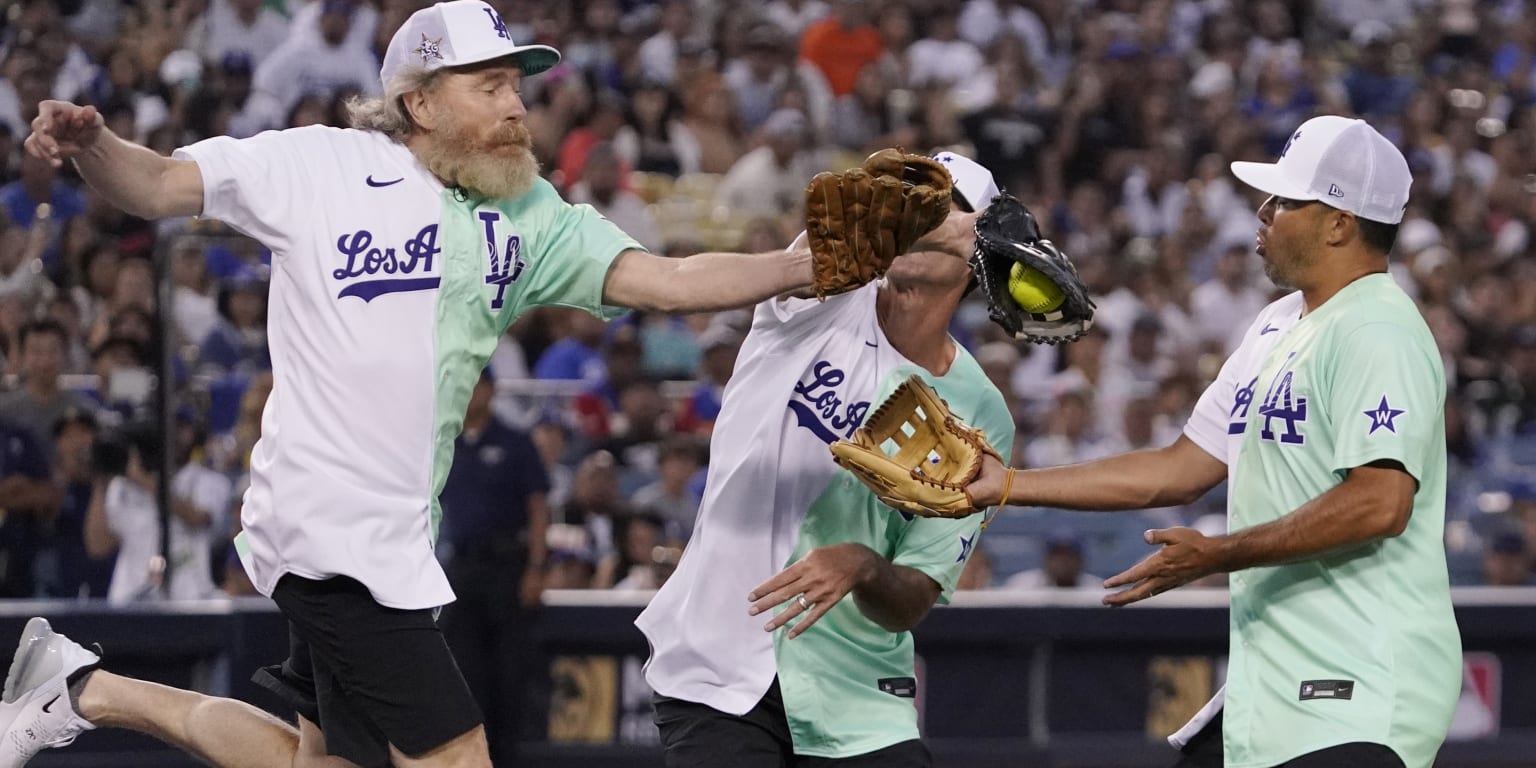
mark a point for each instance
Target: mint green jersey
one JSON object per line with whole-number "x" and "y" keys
{"x": 848, "y": 684}
{"x": 541, "y": 251}
{"x": 1360, "y": 644}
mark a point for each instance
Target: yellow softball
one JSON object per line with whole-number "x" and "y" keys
{"x": 1033, "y": 290}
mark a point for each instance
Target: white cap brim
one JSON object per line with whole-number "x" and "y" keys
{"x": 1269, "y": 179}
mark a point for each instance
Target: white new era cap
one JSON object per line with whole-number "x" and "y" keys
{"x": 972, "y": 179}
{"x": 456, "y": 33}
{"x": 1341, "y": 162}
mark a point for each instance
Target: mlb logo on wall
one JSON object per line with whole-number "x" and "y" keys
{"x": 1477, "y": 711}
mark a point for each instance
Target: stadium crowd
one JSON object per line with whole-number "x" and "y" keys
{"x": 694, "y": 124}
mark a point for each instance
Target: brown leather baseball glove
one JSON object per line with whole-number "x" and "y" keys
{"x": 860, "y": 220}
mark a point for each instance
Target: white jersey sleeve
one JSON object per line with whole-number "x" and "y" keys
{"x": 256, "y": 185}
{"x": 1216, "y": 424}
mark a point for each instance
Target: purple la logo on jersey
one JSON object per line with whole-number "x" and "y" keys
{"x": 1240, "y": 403}
{"x": 364, "y": 259}
{"x": 819, "y": 407}
{"x": 506, "y": 264}
{"x": 1281, "y": 404}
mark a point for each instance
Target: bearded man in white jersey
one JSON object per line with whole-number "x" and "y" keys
{"x": 758, "y": 660}
{"x": 401, "y": 252}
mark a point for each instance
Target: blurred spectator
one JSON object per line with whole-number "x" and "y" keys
{"x": 942, "y": 59}
{"x": 552, "y": 439}
{"x": 597, "y": 407}
{"x": 600, "y": 127}
{"x": 196, "y": 312}
{"x": 770, "y": 180}
{"x": 644, "y": 558}
{"x": 63, "y": 569}
{"x": 599, "y": 187}
{"x": 306, "y": 64}
{"x": 868, "y": 118}
{"x": 841, "y": 44}
{"x": 658, "y": 54}
{"x": 1070, "y": 437}
{"x": 495, "y": 528}
{"x": 576, "y": 355}
{"x": 238, "y": 341}
{"x": 639, "y": 425}
{"x": 760, "y": 76}
{"x": 571, "y": 563}
{"x": 1225, "y": 305}
{"x": 1061, "y": 568}
{"x": 124, "y": 519}
{"x": 41, "y": 199}
{"x": 28, "y": 499}
{"x": 39, "y": 402}
{"x": 253, "y": 28}
{"x": 720, "y": 345}
{"x": 1507, "y": 561}
{"x": 595, "y": 504}
{"x": 711, "y": 129}
{"x": 1009, "y": 132}
{"x": 122, "y": 381}
{"x": 793, "y": 16}
{"x": 1375, "y": 91}
{"x": 670, "y": 498}
{"x": 652, "y": 140}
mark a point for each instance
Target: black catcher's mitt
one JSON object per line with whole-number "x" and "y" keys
{"x": 1007, "y": 234}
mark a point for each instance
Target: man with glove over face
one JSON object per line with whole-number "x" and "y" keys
{"x": 757, "y": 658}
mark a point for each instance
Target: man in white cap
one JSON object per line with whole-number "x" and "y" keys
{"x": 1328, "y": 422}
{"x": 824, "y": 679}
{"x": 401, "y": 251}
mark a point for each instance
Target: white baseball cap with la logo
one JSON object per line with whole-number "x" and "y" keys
{"x": 1340, "y": 162}
{"x": 457, "y": 33}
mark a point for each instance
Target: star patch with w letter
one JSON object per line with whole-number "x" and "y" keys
{"x": 1382, "y": 416}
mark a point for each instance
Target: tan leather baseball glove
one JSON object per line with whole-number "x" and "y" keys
{"x": 936, "y": 455}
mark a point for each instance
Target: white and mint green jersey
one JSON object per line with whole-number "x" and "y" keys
{"x": 1359, "y": 644}
{"x": 806, "y": 376}
{"x": 387, "y": 298}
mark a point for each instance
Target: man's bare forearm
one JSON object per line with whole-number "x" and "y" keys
{"x": 704, "y": 282}
{"x": 1163, "y": 477}
{"x": 894, "y": 596}
{"x": 136, "y": 180}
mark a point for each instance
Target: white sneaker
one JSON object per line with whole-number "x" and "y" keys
{"x": 36, "y": 712}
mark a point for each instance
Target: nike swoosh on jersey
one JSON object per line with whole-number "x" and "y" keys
{"x": 1267, "y": 329}
{"x": 373, "y": 183}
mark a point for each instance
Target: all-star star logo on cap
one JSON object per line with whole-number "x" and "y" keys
{"x": 429, "y": 49}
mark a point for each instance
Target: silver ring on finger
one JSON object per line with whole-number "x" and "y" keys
{"x": 804, "y": 605}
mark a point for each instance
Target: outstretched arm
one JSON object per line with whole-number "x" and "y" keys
{"x": 1177, "y": 474}
{"x": 709, "y": 282}
{"x": 131, "y": 177}
{"x": 706, "y": 282}
{"x": 1374, "y": 502}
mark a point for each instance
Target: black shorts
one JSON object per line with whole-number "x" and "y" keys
{"x": 368, "y": 675}
{"x": 698, "y": 736}
{"x": 1205, "y": 751}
